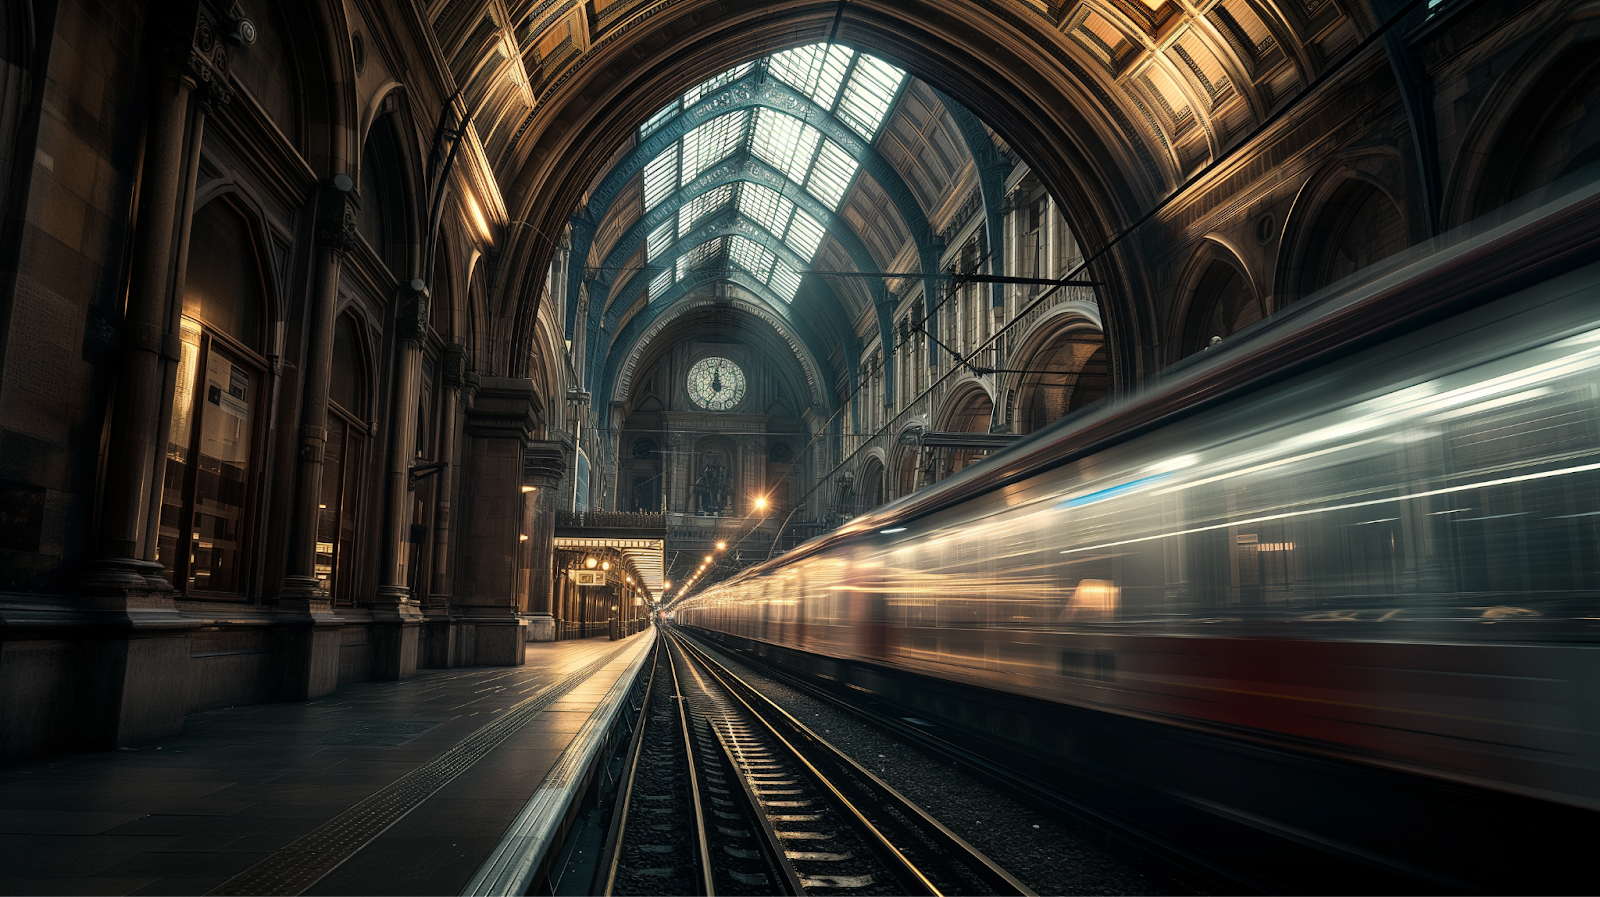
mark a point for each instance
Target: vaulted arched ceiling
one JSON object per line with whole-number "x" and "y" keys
{"x": 1112, "y": 102}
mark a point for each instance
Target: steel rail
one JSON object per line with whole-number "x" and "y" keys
{"x": 708, "y": 885}
{"x": 611, "y": 854}
{"x": 877, "y": 791}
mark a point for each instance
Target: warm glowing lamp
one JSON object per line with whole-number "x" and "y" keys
{"x": 591, "y": 563}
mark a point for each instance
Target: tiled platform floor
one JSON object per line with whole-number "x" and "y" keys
{"x": 184, "y": 815}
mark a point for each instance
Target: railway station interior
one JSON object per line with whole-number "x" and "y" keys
{"x": 799, "y": 446}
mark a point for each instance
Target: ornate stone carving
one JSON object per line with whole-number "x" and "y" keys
{"x": 411, "y": 309}
{"x": 543, "y": 464}
{"x": 336, "y": 218}
{"x": 453, "y": 365}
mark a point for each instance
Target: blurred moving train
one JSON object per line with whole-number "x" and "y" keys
{"x": 1391, "y": 556}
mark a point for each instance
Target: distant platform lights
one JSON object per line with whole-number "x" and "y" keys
{"x": 855, "y": 88}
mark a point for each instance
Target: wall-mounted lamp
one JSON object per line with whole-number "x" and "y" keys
{"x": 605, "y": 565}
{"x": 529, "y": 488}
{"x": 523, "y": 537}
{"x": 591, "y": 563}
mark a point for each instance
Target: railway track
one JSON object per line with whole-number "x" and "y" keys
{"x": 725, "y": 792}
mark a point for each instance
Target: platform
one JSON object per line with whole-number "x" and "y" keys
{"x": 384, "y": 788}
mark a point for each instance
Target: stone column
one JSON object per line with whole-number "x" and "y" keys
{"x": 135, "y": 680}
{"x": 310, "y": 634}
{"x": 395, "y": 614}
{"x": 505, "y": 413}
{"x": 543, "y": 464}
{"x": 454, "y": 368}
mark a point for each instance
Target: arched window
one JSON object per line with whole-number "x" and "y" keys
{"x": 213, "y": 445}
{"x": 340, "y": 503}
{"x": 1069, "y": 372}
{"x": 382, "y": 219}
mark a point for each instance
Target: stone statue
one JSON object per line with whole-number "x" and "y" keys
{"x": 711, "y": 487}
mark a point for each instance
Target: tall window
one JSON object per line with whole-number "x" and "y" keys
{"x": 212, "y": 452}
{"x": 340, "y": 502}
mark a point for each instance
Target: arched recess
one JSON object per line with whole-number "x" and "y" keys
{"x": 1541, "y": 123}
{"x": 388, "y": 186}
{"x": 326, "y": 109}
{"x": 969, "y": 409}
{"x": 903, "y": 469}
{"x": 1066, "y": 369}
{"x": 1217, "y": 299}
{"x": 632, "y": 348}
{"x": 1345, "y": 219}
{"x": 350, "y": 397}
{"x": 871, "y": 488}
{"x": 216, "y": 434}
{"x": 1088, "y": 150}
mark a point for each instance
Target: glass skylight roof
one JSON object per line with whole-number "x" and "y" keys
{"x": 855, "y": 88}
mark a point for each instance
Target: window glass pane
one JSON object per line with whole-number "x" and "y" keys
{"x": 866, "y": 98}
{"x": 660, "y": 176}
{"x": 328, "y": 501}
{"x": 702, "y": 206}
{"x": 660, "y": 240}
{"x": 714, "y": 82}
{"x": 751, "y": 257}
{"x": 660, "y": 283}
{"x": 815, "y": 71}
{"x": 805, "y": 235}
{"x": 349, "y": 504}
{"x": 830, "y": 177}
{"x": 784, "y": 142}
{"x": 785, "y": 281}
{"x": 222, "y": 286}
{"x": 712, "y": 142}
{"x": 171, "y": 541}
{"x": 222, "y": 475}
{"x": 764, "y": 206}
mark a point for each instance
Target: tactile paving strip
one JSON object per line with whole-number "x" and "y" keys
{"x": 298, "y": 866}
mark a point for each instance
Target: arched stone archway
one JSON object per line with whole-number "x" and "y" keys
{"x": 1068, "y": 371}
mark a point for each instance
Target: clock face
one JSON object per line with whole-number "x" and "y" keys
{"x": 716, "y": 384}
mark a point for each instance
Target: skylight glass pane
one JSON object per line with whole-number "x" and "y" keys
{"x": 784, "y": 142}
{"x": 752, "y": 257}
{"x": 659, "y": 119}
{"x": 660, "y": 240}
{"x": 765, "y": 206}
{"x": 815, "y": 71}
{"x": 831, "y": 175}
{"x": 660, "y": 176}
{"x": 785, "y": 281}
{"x": 706, "y": 252}
{"x": 712, "y": 142}
{"x": 715, "y": 82}
{"x": 804, "y": 236}
{"x": 867, "y": 97}
{"x": 708, "y": 203}
{"x": 660, "y": 283}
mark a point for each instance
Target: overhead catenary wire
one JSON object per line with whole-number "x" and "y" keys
{"x": 1105, "y": 248}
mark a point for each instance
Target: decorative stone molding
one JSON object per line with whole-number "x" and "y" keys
{"x": 336, "y": 218}
{"x": 543, "y": 464}
{"x": 411, "y": 309}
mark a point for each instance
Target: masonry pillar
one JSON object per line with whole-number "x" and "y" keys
{"x": 543, "y": 464}
{"x": 396, "y": 615}
{"x": 436, "y": 611}
{"x": 504, "y": 413}
{"x": 134, "y": 681}
{"x": 308, "y": 626}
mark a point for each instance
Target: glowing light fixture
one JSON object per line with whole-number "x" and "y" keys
{"x": 722, "y": 546}
{"x": 892, "y": 530}
{"x": 605, "y": 565}
{"x": 591, "y": 563}
{"x": 523, "y": 537}
{"x": 761, "y": 502}
{"x": 529, "y": 488}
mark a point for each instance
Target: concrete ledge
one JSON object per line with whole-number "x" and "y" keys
{"x": 522, "y": 851}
